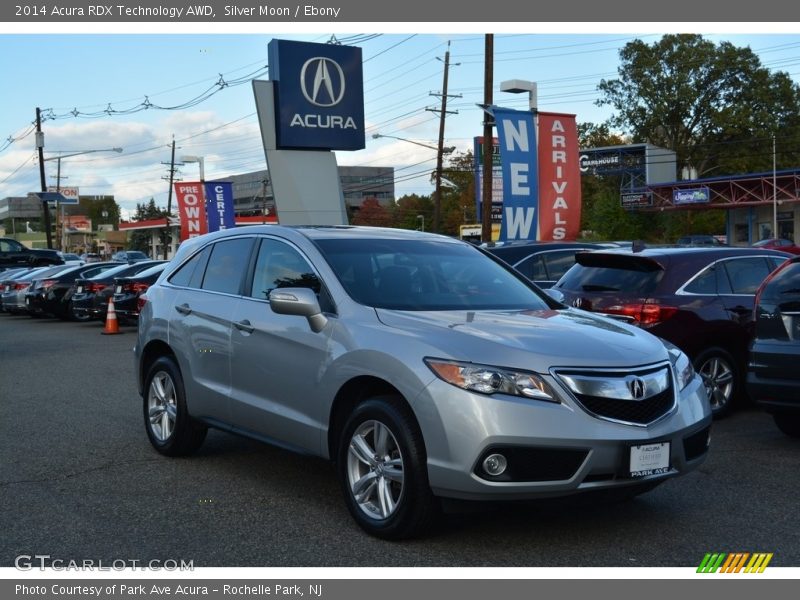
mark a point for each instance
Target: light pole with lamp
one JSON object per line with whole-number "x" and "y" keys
{"x": 444, "y": 150}
{"x": 68, "y": 154}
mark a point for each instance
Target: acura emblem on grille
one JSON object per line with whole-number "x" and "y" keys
{"x": 578, "y": 303}
{"x": 637, "y": 387}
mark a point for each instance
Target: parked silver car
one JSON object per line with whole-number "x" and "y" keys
{"x": 419, "y": 364}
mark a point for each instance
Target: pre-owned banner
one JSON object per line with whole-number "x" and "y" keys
{"x": 517, "y": 135}
{"x": 219, "y": 205}
{"x": 559, "y": 177}
{"x": 191, "y": 209}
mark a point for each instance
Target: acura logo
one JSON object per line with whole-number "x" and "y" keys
{"x": 325, "y": 91}
{"x": 578, "y": 302}
{"x": 637, "y": 388}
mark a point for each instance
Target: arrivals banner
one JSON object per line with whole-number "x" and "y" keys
{"x": 559, "y": 177}
{"x": 219, "y": 205}
{"x": 191, "y": 209}
{"x": 517, "y": 135}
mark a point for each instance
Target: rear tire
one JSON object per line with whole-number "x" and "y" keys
{"x": 721, "y": 378}
{"x": 788, "y": 423}
{"x": 382, "y": 467}
{"x": 170, "y": 428}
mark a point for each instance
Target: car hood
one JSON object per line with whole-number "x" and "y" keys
{"x": 537, "y": 340}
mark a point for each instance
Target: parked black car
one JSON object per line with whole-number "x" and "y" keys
{"x": 700, "y": 299}
{"x": 89, "y": 295}
{"x": 542, "y": 262}
{"x": 773, "y": 376}
{"x": 14, "y": 254}
{"x": 51, "y": 298}
{"x": 128, "y": 290}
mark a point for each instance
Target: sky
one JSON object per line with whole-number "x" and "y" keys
{"x": 96, "y": 85}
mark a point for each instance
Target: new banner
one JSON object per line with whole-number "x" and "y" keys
{"x": 191, "y": 209}
{"x": 517, "y": 136}
{"x": 559, "y": 177}
{"x": 219, "y": 205}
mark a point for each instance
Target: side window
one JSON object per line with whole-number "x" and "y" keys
{"x": 776, "y": 261}
{"x": 559, "y": 263}
{"x": 746, "y": 274}
{"x": 705, "y": 283}
{"x": 279, "y": 265}
{"x": 533, "y": 268}
{"x": 227, "y": 265}
{"x": 191, "y": 273}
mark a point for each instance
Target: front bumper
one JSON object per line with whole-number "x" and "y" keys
{"x": 552, "y": 449}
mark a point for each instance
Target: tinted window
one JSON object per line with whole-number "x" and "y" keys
{"x": 191, "y": 273}
{"x": 227, "y": 265}
{"x": 426, "y": 275}
{"x": 610, "y": 279}
{"x": 559, "y": 263}
{"x": 704, "y": 283}
{"x": 533, "y": 268}
{"x": 785, "y": 285}
{"x": 279, "y": 265}
{"x": 746, "y": 274}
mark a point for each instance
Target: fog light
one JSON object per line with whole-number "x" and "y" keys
{"x": 495, "y": 464}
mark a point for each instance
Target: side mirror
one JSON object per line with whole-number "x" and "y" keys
{"x": 301, "y": 302}
{"x": 555, "y": 295}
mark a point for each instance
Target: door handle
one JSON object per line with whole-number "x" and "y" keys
{"x": 244, "y": 326}
{"x": 183, "y": 309}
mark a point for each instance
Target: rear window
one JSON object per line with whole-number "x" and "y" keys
{"x": 785, "y": 286}
{"x": 612, "y": 273}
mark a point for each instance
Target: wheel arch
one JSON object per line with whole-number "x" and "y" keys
{"x": 150, "y": 354}
{"x": 350, "y": 395}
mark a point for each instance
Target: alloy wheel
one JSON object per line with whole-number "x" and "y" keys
{"x": 718, "y": 379}
{"x": 375, "y": 470}
{"x": 162, "y": 406}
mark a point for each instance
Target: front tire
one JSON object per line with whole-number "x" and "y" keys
{"x": 170, "y": 428}
{"x": 720, "y": 376}
{"x": 382, "y": 467}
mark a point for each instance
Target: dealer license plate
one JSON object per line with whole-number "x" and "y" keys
{"x": 649, "y": 459}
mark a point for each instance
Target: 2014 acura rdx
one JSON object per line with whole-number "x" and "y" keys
{"x": 419, "y": 364}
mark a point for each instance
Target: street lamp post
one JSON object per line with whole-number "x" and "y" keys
{"x": 61, "y": 155}
{"x": 439, "y": 153}
{"x": 445, "y": 150}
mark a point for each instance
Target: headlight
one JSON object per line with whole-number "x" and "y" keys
{"x": 486, "y": 379}
{"x": 684, "y": 371}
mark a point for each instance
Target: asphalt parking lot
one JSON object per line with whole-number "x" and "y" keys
{"x": 79, "y": 480}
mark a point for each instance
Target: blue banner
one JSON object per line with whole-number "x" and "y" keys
{"x": 701, "y": 195}
{"x": 219, "y": 205}
{"x": 517, "y": 134}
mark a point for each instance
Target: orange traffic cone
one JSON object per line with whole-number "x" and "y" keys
{"x": 112, "y": 325}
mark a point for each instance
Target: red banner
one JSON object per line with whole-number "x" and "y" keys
{"x": 559, "y": 178}
{"x": 191, "y": 209}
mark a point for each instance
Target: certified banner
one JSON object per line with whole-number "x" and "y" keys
{"x": 191, "y": 209}
{"x": 517, "y": 135}
{"x": 219, "y": 205}
{"x": 559, "y": 177}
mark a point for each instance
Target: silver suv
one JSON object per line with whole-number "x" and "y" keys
{"x": 419, "y": 364}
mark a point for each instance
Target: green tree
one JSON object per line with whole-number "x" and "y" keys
{"x": 715, "y": 105}
{"x": 409, "y": 208}
{"x": 140, "y": 240}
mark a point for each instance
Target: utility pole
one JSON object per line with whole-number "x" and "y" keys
{"x": 171, "y": 179}
{"x": 488, "y": 141}
{"x": 40, "y": 148}
{"x": 443, "y": 112}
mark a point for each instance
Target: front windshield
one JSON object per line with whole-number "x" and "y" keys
{"x": 426, "y": 275}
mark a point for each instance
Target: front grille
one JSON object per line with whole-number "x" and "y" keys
{"x": 612, "y": 400}
{"x": 534, "y": 464}
{"x": 640, "y": 412}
